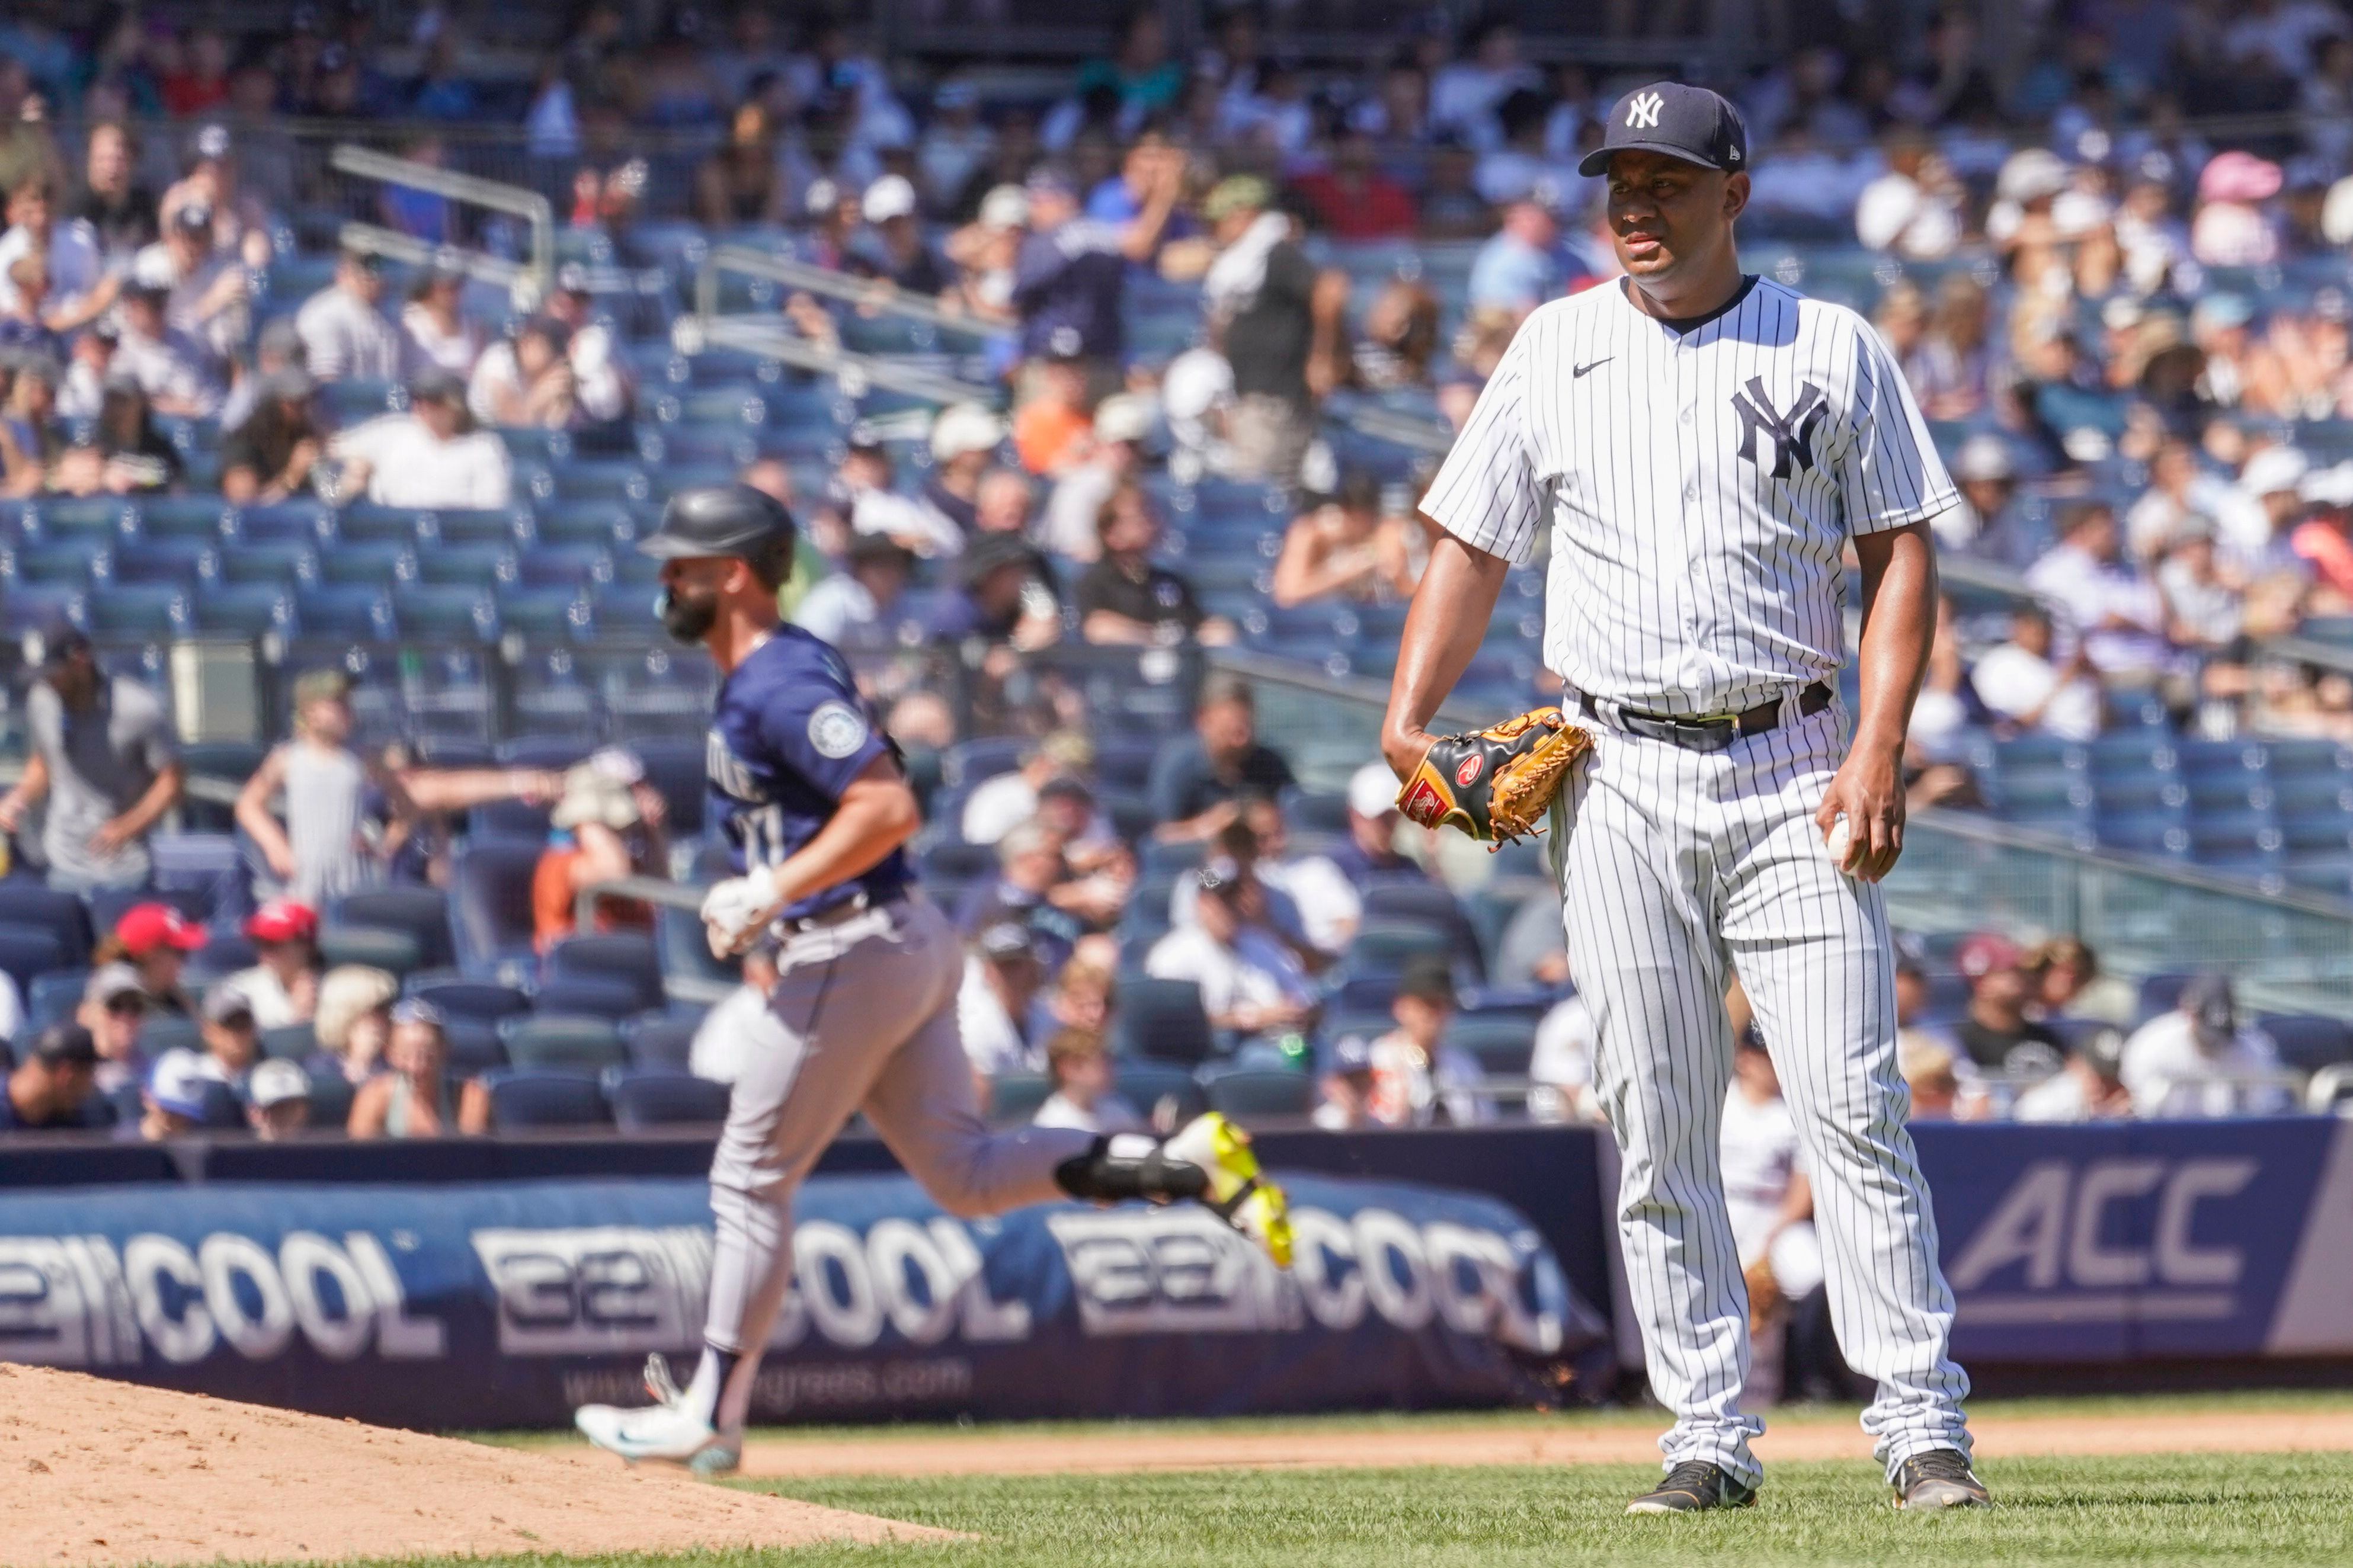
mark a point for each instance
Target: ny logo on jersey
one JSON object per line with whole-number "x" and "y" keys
{"x": 1642, "y": 111}
{"x": 1791, "y": 434}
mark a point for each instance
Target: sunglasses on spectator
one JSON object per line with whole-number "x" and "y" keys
{"x": 130, "y": 1004}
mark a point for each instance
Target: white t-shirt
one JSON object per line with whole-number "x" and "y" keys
{"x": 1110, "y": 1114}
{"x": 424, "y": 346}
{"x": 1004, "y": 802}
{"x": 2088, "y": 592}
{"x": 409, "y": 466}
{"x": 722, "y": 1041}
{"x": 992, "y": 1037}
{"x": 1893, "y": 213}
{"x": 836, "y": 608}
{"x": 1257, "y": 969}
{"x": 2012, "y": 681}
{"x": 11, "y": 1007}
{"x": 1330, "y": 907}
{"x": 1561, "y": 1066}
{"x": 2058, "y": 1098}
{"x": 345, "y": 337}
{"x": 273, "y": 1009}
{"x": 76, "y": 266}
{"x": 2168, "y": 1073}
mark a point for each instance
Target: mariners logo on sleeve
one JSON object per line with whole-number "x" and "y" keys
{"x": 836, "y": 730}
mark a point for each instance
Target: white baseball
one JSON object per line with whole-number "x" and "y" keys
{"x": 1838, "y": 841}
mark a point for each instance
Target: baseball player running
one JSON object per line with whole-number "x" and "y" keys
{"x": 863, "y": 1013}
{"x": 1703, "y": 445}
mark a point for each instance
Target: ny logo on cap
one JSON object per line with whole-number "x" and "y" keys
{"x": 1642, "y": 111}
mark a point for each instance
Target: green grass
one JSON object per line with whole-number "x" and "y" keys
{"x": 2268, "y": 1509}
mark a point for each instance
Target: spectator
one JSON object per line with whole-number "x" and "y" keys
{"x": 524, "y": 382}
{"x": 1917, "y": 209}
{"x": 1327, "y": 906}
{"x": 723, "y": 1039}
{"x": 1768, "y": 1194}
{"x": 1352, "y": 200}
{"x": 1932, "y": 1075}
{"x": 1251, "y": 984}
{"x": 864, "y": 483}
{"x": 277, "y": 1101}
{"x": 113, "y": 1012}
{"x": 860, "y": 607}
{"x": 431, "y": 457}
{"x": 1034, "y": 889}
{"x": 241, "y": 218}
{"x": 1113, "y": 461}
{"x": 322, "y": 850}
{"x": 344, "y": 334}
{"x": 31, "y": 439}
{"x": 172, "y": 1101}
{"x": 102, "y": 756}
{"x": 999, "y": 1008}
{"x": 999, "y": 804}
{"x": 1001, "y": 505}
{"x": 81, "y": 392}
{"x": 276, "y": 349}
{"x": 1002, "y": 601}
{"x": 1126, "y": 598}
{"x": 232, "y": 1040}
{"x": 2068, "y": 982}
{"x": 984, "y": 251}
{"x": 49, "y": 1088}
{"x": 894, "y": 251}
{"x": 415, "y": 1098}
{"x": 155, "y": 940}
{"x": 2233, "y": 225}
{"x": 964, "y": 438}
{"x": 2088, "y": 1088}
{"x": 2199, "y": 1060}
{"x": 1520, "y": 166}
{"x": 22, "y": 329}
{"x": 955, "y": 148}
{"x": 1948, "y": 374}
{"x": 2115, "y": 610}
{"x": 1197, "y": 779}
{"x": 741, "y": 184}
{"x": 1992, "y": 521}
{"x": 1399, "y": 340}
{"x": 1085, "y": 1094}
{"x": 601, "y": 384}
{"x": 1278, "y": 320}
{"x": 282, "y": 986}
{"x": 119, "y": 211}
{"x": 434, "y": 332}
{"x": 1913, "y": 997}
{"x": 1072, "y": 273}
{"x": 208, "y": 288}
{"x": 607, "y": 825}
{"x": 1341, "y": 547}
{"x": 176, "y": 373}
{"x": 1371, "y": 853}
{"x": 1996, "y": 1032}
{"x": 1519, "y": 267}
{"x": 80, "y": 288}
{"x": 353, "y": 1020}
{"x": 1344, "y": 1095}
{"x": 1560, "y": 1065}
{"x": 273, "y": 454}
{"x": 2021, "y": 685}
{"x": 1418, "y": 1078}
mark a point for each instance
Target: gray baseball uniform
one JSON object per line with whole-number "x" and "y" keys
{"x": 1700, "y": 480}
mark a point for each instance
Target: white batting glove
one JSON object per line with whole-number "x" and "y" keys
{"x": 737, "y": 910}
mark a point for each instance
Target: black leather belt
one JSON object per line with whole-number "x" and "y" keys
{"x": 1710, "y": 735}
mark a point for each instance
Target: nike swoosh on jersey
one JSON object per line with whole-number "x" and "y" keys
{"x": 1579, "y": 373}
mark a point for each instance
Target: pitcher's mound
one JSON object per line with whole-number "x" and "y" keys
{"x": 98, "y": 1471}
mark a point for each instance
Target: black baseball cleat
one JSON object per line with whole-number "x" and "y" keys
{"x": 1693, "y": 1486}
{"x": 1941, "y": 1477}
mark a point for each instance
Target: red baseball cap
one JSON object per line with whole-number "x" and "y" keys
{"x": 1986, "y": 952}
{"x": 144, "y": 928}
{"x": 282, "y": 920}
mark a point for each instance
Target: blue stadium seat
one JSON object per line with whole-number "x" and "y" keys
{"x": 433, "y": 615}
{"x": 361, "y": 613}
{"x": 422, "y": 913}
{"x": 553, "y": 565}
{"x": 27, "y": 952}
{"x": 1162, "y": 1020}
{"x": 659, "y": 1041}
{"x": 1259, "y": 1094}
{"x": 2143, "y": 833}
{"x": 93, "y": 518}
{"x": 546, "y": 614}
{"x": 2248, "y": 760}
{"x": 478, "y": 566}
{"x": 366, "y": 564}
{"x": 222, "y": 1110}
{"x": 2308, "y": 1041}
{"x": 41, "y": 607}
{"x": 181, "y": 563}
{"x": 252, "y": 610}
{"x": 967, "y": 762}
{"x": 28, "y": 902}
{"x": 621, "y": 959}
{"x": 1014, "y": 1097}
{"x": 493, "y": 528}
{"x": 1144, "y": 1084}
{"x": 1501, "y": 1046}
{"x": 458, "y": 997}
{"x": 490, "y": 893}
{"x": 645, "y": 1100}
{"x": 154, "y": 611}
{"x": 70, "y": 564}
{"x": 2160, "y": 992}
{"x": 331, "y": 1100}
{"x": 286, "y": 523}
{"x": 1386, "y": 947}
{"x": 585, "y": 1043}
{"x": 1411, "y": 901}
{"x": 524, "y": 1097}
{"x": 55, "y": 997}
{"x": 273, "y": 562}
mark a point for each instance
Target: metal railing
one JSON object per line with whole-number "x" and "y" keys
{"x": 514, "y": 201}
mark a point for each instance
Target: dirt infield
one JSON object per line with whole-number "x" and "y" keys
{"x": 1569, "y": 1442}
{"x": 103, "y": 1472}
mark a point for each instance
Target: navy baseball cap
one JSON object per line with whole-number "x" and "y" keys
{"x": 1687, "y": 122}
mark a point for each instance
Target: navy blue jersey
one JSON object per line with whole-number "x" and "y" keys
{"x": 790, "y": 733}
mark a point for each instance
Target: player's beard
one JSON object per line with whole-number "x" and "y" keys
{"x": 688, "y": 620}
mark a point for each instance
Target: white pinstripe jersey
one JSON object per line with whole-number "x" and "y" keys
{"x": 1701, "y": 479}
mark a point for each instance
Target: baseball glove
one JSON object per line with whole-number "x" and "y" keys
{"x": 1495, "y": 783}
{"x": 1765, "y": 1298}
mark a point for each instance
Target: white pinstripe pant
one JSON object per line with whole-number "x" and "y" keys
{"x": 1676, "y": 864}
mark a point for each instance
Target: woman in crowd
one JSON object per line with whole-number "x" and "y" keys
{"x": 1342, "y": 547}
{"x": 126, "y": 454}
{"x": 609, "y": 824}
{"x": 434, "y": 331}
{"x": 354, "y": 1022}
{"x": 414, "y": 1096}
{"x": 739, "y": 183}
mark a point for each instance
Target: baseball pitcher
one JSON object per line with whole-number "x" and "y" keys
{"x": 863, "y": 1016}
{"x": 1702, "y": 447}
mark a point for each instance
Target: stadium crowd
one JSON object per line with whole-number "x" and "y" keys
{"x": 2131, "y": 332}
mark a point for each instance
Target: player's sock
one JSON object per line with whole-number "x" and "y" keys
{"x": 1124, "y": 1165}
{"x": 710, "y": 1375}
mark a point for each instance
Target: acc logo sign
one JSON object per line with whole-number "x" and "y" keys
{"x": 1468, "y": 771}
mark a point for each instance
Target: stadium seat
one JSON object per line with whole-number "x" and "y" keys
{"x": 490, "y": 889}
{"x": 659, "y": 1041}
{"x": 1014, "y": 1097}
{"x": 1259, "y": 1094}
{"x": 617, "y": 958}
{"x": 377, "y": 947}
{"x": 646, "y": 1099}
{"x": 289, "y": 1042}
{"x": 169, "y": 1032}
{"x": 361, "y": 613}
{"x": 55, "y": 997}
{"x": 1162, "y": 1020}
{"x": 331, "y": 1102}
{"x": 1386, "y": 947}
{"x": 26, "y": 902}
{"x": 454, "y": 997}
{"x": 223, "y": 1110}
{"x": 1144, "y": 1084}
{"x": 526, "y": 1097}
{"x": 27, "y": 950}
{"x": 556, "y": 1040}
{"x": 1502, "y": 1045}
{"x": 422, "y": 913}
{"x": 475, "y": 1047}
{"x": 1411, "y": 901}
{"x": 2306, "y": 1041}
{"x": 591, "y": 996}
{"x": 2159, "y": 992}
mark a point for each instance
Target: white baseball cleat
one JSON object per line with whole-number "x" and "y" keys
{"x": 666, "y": 1431}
